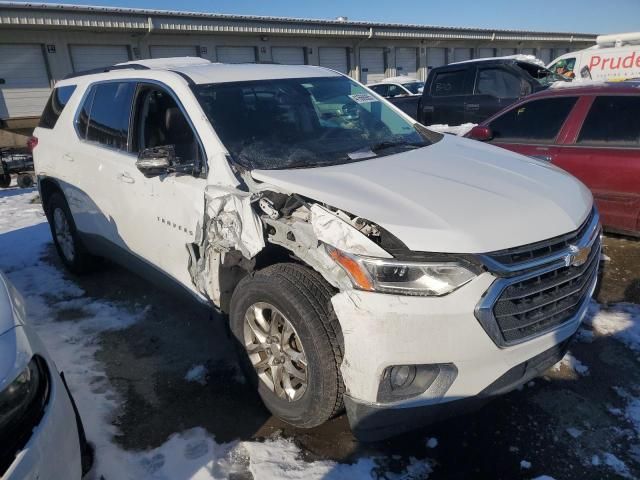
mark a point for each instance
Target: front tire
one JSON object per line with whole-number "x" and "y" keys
{"x": 25, "y": 180}
{"x": 68, "y": 244}
{"x": 290, "y": 343}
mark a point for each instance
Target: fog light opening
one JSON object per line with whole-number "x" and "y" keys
{"x": 402, "y": 376}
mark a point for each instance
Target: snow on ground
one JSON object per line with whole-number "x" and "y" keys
{"x": 572, "y": 363}
{"x": 459, "y": 130}
{"x": 192, "y": 454}
{"x": 621, "y": 321}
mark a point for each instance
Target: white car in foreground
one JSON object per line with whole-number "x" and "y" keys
{"x": 40, "y": 431}
{"x": 364, "y": 261}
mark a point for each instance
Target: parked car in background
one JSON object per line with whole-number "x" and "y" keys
{"x": 403, "y": 92}
{"x": 296, "y": 201}
{"x": 591, "y": 131}
{"x": 614, "y": 57}
{"x": 472, "y": 91}
{"x": 40, "y": 430}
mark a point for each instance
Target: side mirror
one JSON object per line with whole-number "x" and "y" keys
{"x": 480, "y": 133}
{"x": 585, "y": 72}
{"x": 155, "y": 161}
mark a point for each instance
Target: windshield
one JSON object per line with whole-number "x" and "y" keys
{"x": 543, "y": 75}
{"x": 304, "y": 122}
{"x": 414, "y": 87}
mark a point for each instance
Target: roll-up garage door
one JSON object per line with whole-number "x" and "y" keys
{"x": 528, "y": 51}
{"x": 461, "y": 54}
{"x": 334, "y": 58}
{"x": 545, "y": 54}
{"x": 168, "y": 51}
{"x": 505, "y": 52}
{"x": 87, "y": 57}
{"x": 486, "y": 52}
{"x": 24, "y": 81}
{"x": 236, "y": 54}
{"x": 288, "y": 55}
{"x": 371, "y": 65}
{"x": 406, "y": 62}
{"x": 436, "y": 57}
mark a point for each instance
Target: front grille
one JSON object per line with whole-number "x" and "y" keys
{"x": 517, "y": 257}
{"x": 544, "y": 301}
{"x": 547, "y": 289}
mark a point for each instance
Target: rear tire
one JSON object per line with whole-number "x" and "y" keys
{"x": 313, "y": 345}
{"x": 70, "y": 248}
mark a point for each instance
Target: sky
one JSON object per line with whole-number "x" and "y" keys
{"x": 585, "y": 16}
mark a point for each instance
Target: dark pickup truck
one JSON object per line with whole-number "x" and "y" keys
{"x": 404, "y": 93}
{"x": 472, "y": 91}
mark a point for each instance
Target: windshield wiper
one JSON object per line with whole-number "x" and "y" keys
{"x": 376, "y": 147}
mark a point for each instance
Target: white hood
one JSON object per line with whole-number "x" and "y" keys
{"x": 456, "y": 196}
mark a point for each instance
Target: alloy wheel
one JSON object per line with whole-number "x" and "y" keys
{"x": 275, "y": 351}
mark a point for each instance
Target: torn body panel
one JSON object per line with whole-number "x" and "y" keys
{"x": 233, "y": 229}
{"x": 228, "y": 238}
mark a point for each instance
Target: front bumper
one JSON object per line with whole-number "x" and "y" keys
{"x": 372, "y": 423}
{"x": 53, "y": 451}
{"x": 383, "y": 330}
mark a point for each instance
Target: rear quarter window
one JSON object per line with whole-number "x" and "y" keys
{"x": 612, "y": 121}
{"x": 450, "y": 83}
{"x": 536, "y": 121}
{"x": 56, "y": 103}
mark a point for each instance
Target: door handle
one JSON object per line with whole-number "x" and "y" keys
{"x": 67, "y": 157}
{"x": 472, "y": 106}
{"x": 544, "y": 158}
{"x": 125, "y": 177}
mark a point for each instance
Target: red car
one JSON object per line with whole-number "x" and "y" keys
{"x": 591, "y": 131}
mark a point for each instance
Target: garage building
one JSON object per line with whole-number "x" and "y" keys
{"x": 42, "y": 43}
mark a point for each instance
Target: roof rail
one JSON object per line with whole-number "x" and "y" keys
{"x": 129, "y": 66}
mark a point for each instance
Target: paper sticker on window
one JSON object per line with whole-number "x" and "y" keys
{"x": 362, "y": 98}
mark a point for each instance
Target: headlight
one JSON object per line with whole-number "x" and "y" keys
{"x": 22, "y": 398}
{"x": 403, "y": 278}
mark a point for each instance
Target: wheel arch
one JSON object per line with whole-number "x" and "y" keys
{"x": 47, "y": 187}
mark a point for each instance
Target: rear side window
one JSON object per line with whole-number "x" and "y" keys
{"x": 83, "y": 115}
{"x": 448, "y": 83}
{"x": 57, "y": 101}
{"x": 537, "y": 121}
{"x": 110, "y": 110}
{"x": 380, "y": 89}
{"x": 497, "y": 82}
{"x": 612, "y": 121}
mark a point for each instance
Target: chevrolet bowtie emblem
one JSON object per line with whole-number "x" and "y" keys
{"x": 577, "y": 256}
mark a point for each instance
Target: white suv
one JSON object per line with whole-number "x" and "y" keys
{"x": 363, "y": 260}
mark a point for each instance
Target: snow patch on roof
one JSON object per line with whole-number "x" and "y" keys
{"x": 519, "y": 58}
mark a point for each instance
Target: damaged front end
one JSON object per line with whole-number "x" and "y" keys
{"x": 240, "y": 230}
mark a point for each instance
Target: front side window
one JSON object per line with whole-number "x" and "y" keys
{"x": 159, "y": 122}
{"x": 414, "y": 87}
{"x": 497, "y": 82}
{"x": 304, "y": 122}
{"x": 565, "y": 67}
{"x": 448, "y": 83}
{"x": 612, "y": 121}
{"x": 108, "y": 122}
{"x": 541, "y": 74}
{"x": 536, "y": 121}
{"x": 57, "y": 101}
